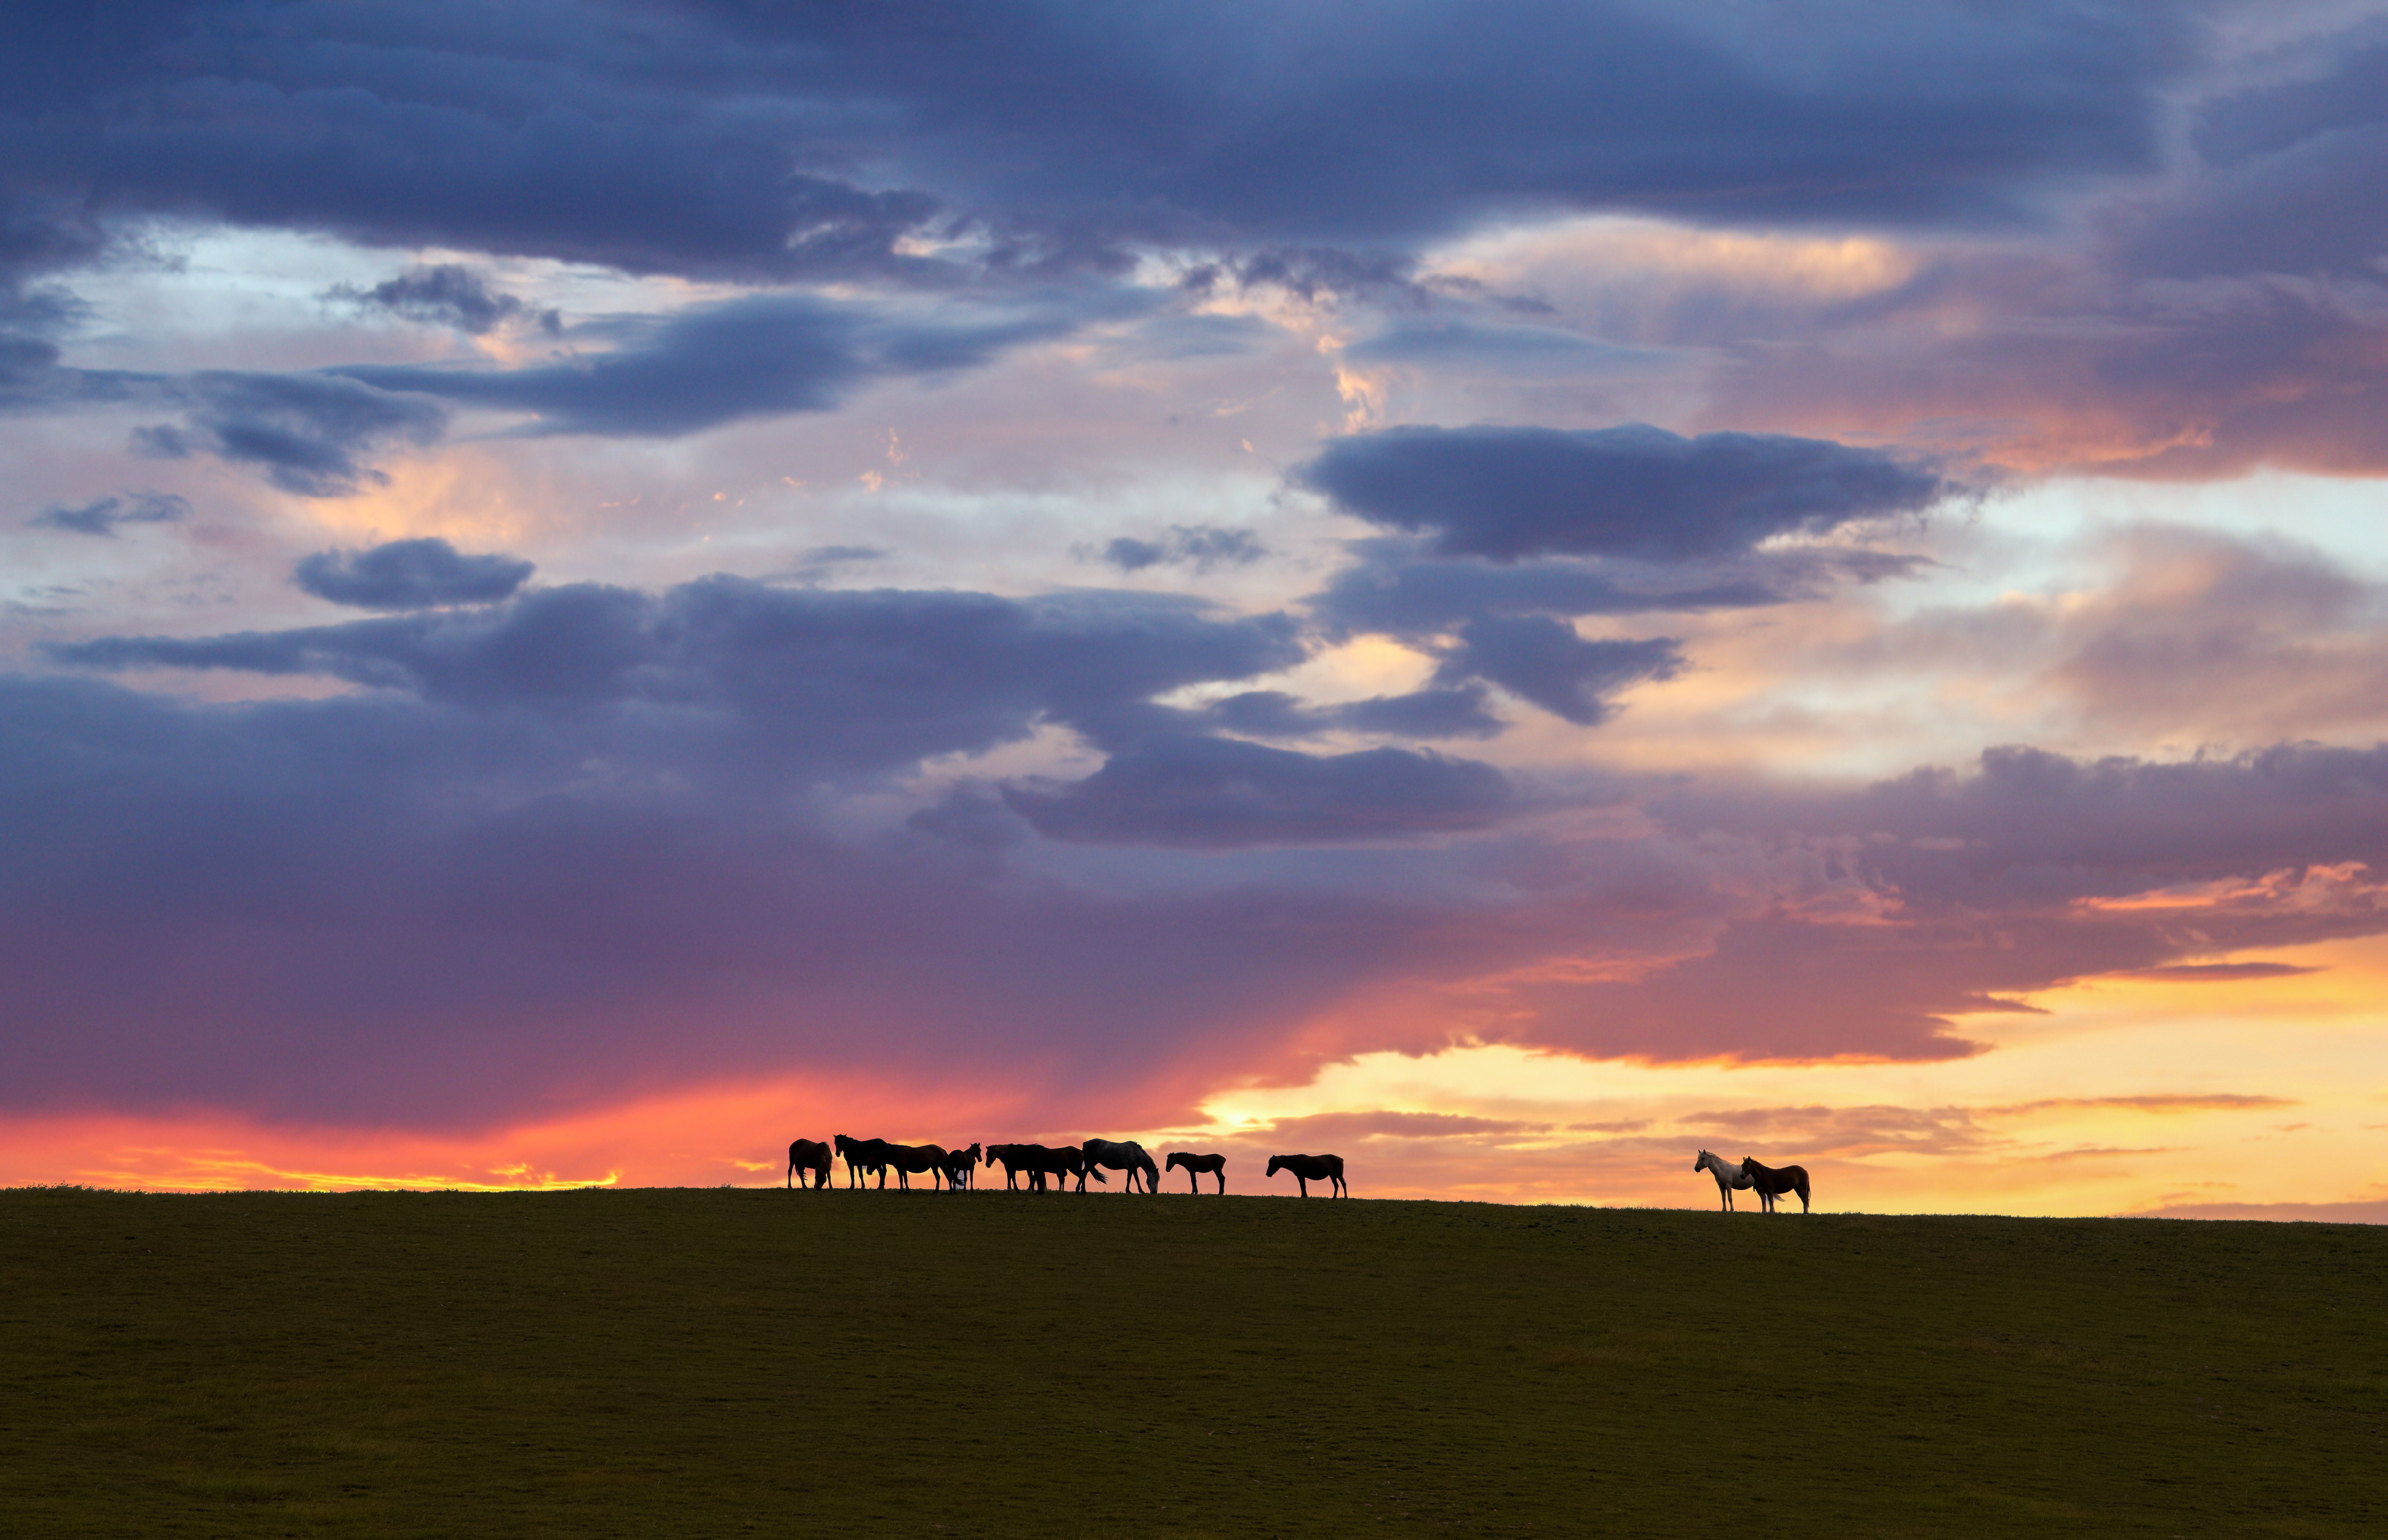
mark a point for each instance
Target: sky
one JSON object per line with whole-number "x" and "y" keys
{"x": 587, "y": 589}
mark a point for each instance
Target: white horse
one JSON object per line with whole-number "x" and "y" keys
{"x": 1728, "y": 1175}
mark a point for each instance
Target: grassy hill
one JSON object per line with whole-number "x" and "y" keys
{"x": 729, "y": 1362}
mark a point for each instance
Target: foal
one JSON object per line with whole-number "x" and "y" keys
{"x": 1215, "y": 1166}
{"x": 1773, "y": 1181}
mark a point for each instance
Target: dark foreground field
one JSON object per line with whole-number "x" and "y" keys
{"x": 721, "y": 1363}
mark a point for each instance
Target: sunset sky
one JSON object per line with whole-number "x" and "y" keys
{"x": 1513, "y": 592}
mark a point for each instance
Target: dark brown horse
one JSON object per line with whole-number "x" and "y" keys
{"x": 1307, "y": 1169}
{"x": 1014, "y": 1161}
{"x": 915, "y": 1160}
{"x": 1215, "y": 1166}
{"x": 861, "y": 1155}
{"x": 1771, "y": 1182}
{"x": 809, "y": 1155}
{"x": 959, "y": 1165}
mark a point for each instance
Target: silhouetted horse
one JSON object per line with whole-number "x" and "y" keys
{"x": 1040, "y": 1162}
{"x": 1123, "y": 1156}
{"x": 1773, "y": 1182}
{"x": 1013, "y": 1161}
{"x": 1728, "y": 1177}
{"x": 861, "y": 1155}
{"x": 812, "y": 1155}
{"x": 959, "y": 1165}
{"x": 914, "y": 1160}
{"x": 1215, "y": 1166}
{"x": 1307, "y": 1169}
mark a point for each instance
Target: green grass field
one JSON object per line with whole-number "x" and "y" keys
{"x": 734, "y": 1362}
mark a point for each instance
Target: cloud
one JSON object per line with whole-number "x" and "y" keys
{"x": 1397, "y": 587}
{"x": 383, "y": 908}
{"x": 722, "y": 141}
{"x": 1636, "y": 490}
{"x": 448, "y": 295}
{"x": 410, "y": 573}
{"x": 2218, "y": 1102}
{"x": 2374, "y": 1213}
{"x": 1321, "y": 1129}
{"x": 1200, "y": 792}
{"x": 105, "y": 515}
{"x": 1434, "y": 713}
{"x": 310, "y": 433}
{"x": 807, "y": 679}
{"x": 1200, "y": 546}
{"x": 2219, "y": 972}
{"x": 1543, "y": 661}
{"x": 757, "y": 356}
{"x": 1840, "y": 1132}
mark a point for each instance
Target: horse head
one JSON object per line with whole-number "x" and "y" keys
{"x": 1702, "y": 1164}
{"x": 1276, "y": 1164}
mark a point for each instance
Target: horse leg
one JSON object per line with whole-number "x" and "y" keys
{"x": 1222, "y": 1175}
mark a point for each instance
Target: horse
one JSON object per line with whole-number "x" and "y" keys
{"x": 1123, "y": 1156}
{"x": 913, "y": 1160}
{"x": 1215, "y": 1166}
{"x": 1727, "y": 1177}
{"x": 1773, "y": 1181}
{"x": 810, "y": 1155}
{"x": 1307, "y": 1169}
{"x": 861, "y": 1155}
{"x": 1041, "y": 1161}
{"x": 1014, "y": 1163}
{"x": 959, "y": 1165}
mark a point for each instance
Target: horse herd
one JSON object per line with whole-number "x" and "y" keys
{"x": 1770, "y": 1182}
{"x": 1038, "y": 1162}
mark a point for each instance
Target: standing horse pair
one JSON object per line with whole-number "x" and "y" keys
{"x": 1770, "y": 1182}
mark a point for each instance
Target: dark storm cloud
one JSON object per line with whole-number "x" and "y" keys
{"x": 410, "y": 573}
{"x": 1397, "y": 587}
{"x": 106, "y": 515}
{"x": 733, "y": 141}
{"x": 1342, "y": 124}
{"x": 1543, "y": 661}
{"x": 1200, "y": 792}
{"x": 448, "y": 295}
{"x": 1436, "y": 713}
{"x": 385, "y": 909}
{"x": 1636, "y": 490}
{"x": 814, "y": 680}
{"x": 2292, "y": 174}
{"x": 310, "y": 434}
{"x": 681, "y": 373}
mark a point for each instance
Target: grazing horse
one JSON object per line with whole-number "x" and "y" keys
{"x": 1773, "y": 1181}
{"x": 1727, "y": 1177}
{"x": 913, "y": 1160}
{"x": 1307, "y": 1169}
{"x": 861, "y": 1155}
{"x": 809, "y": 1155}
{"x": 959, "y": 1165}
{"x": 1215, "y": 1166}
{"x": 1123, "y": 1156}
